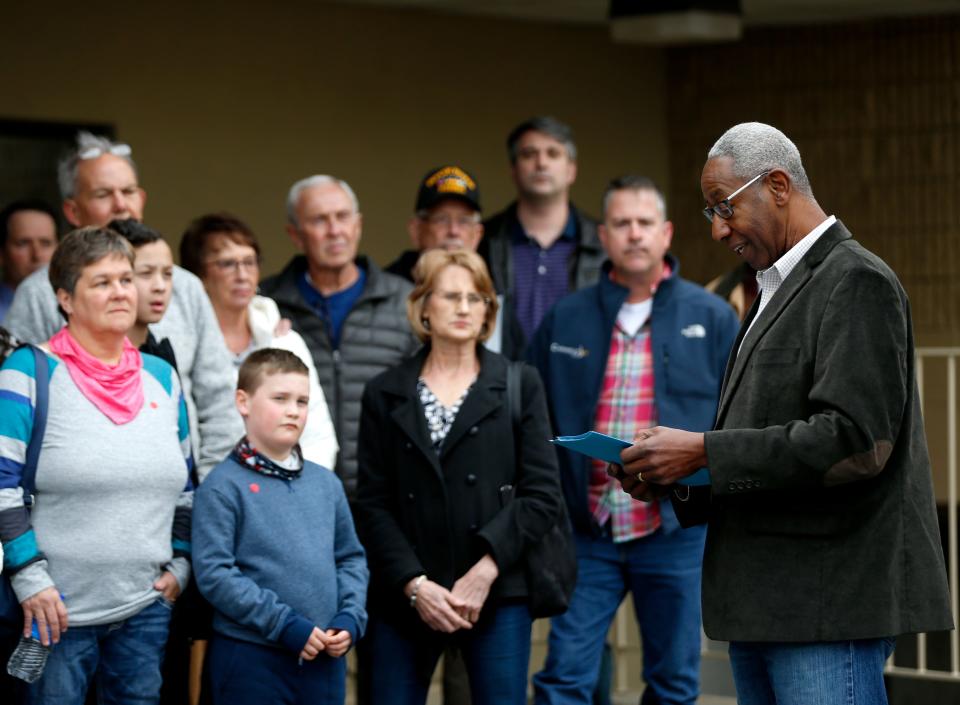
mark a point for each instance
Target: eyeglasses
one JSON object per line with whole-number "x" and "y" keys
{"x": 234, "y": 265}
{"x": 117, "y": 150}
{"x": 724, "y": 209}
{"x": 445, "y": 221}
{"x": 454, "y": 298}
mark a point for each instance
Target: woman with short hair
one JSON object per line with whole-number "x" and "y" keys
{"x": 104, "y": 552}
{"x": 443, "y": 508}
{"x": 223, "y": 251}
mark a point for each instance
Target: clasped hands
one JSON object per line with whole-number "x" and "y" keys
{"x": 335, "y": 642}
{"x": 658, "y": 458}
{"x": 449, "y": 610}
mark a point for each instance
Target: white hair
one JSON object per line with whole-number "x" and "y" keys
{"x": 316, "y": 180}
{"x": 67, "y": 166}
{"x": 755, "y": 147}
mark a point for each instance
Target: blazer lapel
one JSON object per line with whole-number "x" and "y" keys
{"x": 794, "y": 283}
{"x": 732, "y": 359}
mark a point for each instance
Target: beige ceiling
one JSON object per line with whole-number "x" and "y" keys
{"x": 755, "y": 12}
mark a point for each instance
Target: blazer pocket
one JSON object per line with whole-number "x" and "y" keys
{"x": 795, "y": 524}
{"x": 764, "y": 357}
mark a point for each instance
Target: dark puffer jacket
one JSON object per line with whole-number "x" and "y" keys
{"x": 375, "y": 337}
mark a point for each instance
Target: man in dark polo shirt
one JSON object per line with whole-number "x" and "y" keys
{"x": 541, "y": 246}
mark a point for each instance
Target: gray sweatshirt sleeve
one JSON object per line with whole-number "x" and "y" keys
{"x": 33, "y": 316}
{"x": 206, "y": 370}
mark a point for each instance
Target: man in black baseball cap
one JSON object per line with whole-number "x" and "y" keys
{"x": 446, "y": 214}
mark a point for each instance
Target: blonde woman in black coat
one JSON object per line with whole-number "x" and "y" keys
{"x": 443, "y": 509}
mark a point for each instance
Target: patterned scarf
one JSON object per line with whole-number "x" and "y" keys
{"x": 117, "y": 390}
{"x": 250, "y": 457}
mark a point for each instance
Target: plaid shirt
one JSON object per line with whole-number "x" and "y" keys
{"x": 626, "y": 406}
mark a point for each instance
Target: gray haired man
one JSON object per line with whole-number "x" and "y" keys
{"x": 98, "y": 182}
{"x": 351, "y": 314}
{"x": 822, "y": 539}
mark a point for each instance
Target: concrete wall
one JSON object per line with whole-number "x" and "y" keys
{"x": 227, "y": 104}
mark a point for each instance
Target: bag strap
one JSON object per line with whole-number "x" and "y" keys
{"x": 515, "y": 405}
{"x": 514, "y": 369}
{"x": 42, "y": 385}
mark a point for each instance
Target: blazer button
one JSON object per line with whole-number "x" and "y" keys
{"x": 740, "y": 485}
{"x": 474, "y": 430}
{"x": 408, "y": 445}
{"x": 756, "y": 483}
{"x": 471, "y": 479}
{"x": 473, "y": 528}
{"x": 732, "y": 486}
{"x": 410, "y": 497}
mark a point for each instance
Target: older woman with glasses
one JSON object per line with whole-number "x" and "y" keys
{"x": 104, "y": 550}
{"x": 451, "y": 495}
{"x": 223, "y": 251}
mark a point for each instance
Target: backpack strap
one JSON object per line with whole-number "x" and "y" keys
{"x": 42, "y": 385}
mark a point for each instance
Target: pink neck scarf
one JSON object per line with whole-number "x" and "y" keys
{"x": 117, "y": 390}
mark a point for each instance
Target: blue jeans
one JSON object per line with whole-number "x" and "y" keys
{"x": 826, "y": 673}
{"x": 124, "y": 657}
{"x": 243, "y": 673}
{"x": 496, "y": 653}
{"x": 662, "y": 571}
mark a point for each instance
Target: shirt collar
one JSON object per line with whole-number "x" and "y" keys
{"x": 792, "y": 257}
{"x": 569, "y": 232}
{"x": 315, "y": 299}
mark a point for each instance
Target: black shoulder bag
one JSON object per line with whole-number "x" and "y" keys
{"x": 551, "y": 564}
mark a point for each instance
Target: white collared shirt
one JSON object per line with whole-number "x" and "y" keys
{"x": 769, "y": 280}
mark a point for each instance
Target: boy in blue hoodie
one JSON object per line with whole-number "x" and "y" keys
{"x": 276, "y": 554}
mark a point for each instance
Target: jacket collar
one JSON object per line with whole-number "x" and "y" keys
{"x": 791, "y": 286}
{"x": 612, "y": 295}
{"x": 484, "y": 399}
{"x": 283, "y": 288}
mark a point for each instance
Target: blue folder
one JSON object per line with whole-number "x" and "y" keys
{"x": 607, "y": 448}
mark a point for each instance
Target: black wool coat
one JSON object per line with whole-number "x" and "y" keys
{"x": 417, "y": 513}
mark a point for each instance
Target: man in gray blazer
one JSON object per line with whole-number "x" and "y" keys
{"x": 822, "y": 540}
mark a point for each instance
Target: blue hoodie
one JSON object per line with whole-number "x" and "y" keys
{"x": 692, "y": 333}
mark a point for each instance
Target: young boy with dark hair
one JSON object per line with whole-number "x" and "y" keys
{"x": 276, "y": 554}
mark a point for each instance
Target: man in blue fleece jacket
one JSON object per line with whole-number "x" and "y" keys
{"x": 276, "y": 553}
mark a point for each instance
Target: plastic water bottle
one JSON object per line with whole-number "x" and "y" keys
{"x": 29, "y": 658}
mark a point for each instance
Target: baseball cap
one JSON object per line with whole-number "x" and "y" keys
{"x": 447, "y": 182}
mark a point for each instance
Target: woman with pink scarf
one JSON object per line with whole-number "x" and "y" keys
{"x": 103, "y": 553}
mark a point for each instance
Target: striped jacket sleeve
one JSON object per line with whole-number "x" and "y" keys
{"x": 22, "y": 558}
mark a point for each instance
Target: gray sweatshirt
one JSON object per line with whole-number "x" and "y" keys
{"x": 204, "y": 363}
{"x": 113, "y": 502}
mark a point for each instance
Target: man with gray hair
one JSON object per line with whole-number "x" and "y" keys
{"x": 98, "y": 182}
{"x": 822, "y": 539}
{"x": 540, "y": 247}
{"x": 352, "y": 315}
